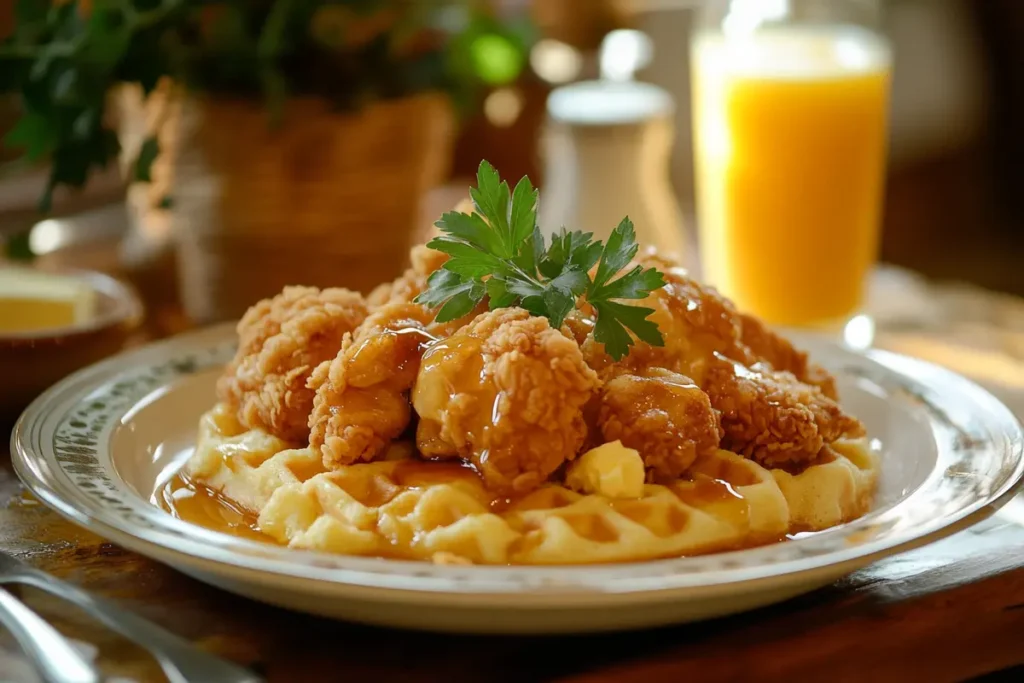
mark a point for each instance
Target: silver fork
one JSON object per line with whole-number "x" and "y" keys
{"x": 51, "y": 654}
{"x": 181, "y": 661}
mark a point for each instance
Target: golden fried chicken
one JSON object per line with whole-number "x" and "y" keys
{"x": 775, "y": 406}
{"x": 361, "y": 401}
{"x": 411, "y": 283}
{"x": 770, "y": 416}
{"x": 695, "y": 321}
{"x": 504, "y": 393}
{"x": 661, "y": 414}
{"x": 580, "y": 323}
{"x": 778, "y": 352}
{"x": 281, "y": 340}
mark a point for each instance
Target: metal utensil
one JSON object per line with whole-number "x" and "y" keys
{"x": 50, "y": 652}
{"x": 180, "y": 660}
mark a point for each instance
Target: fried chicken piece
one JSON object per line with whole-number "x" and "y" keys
{"x": 411, "y": 283}
{"x": 695, "y": 322}
{"x": 661, "y": 414}
{"x": 504, "y": 393}
{"x": 281, "y": 340}
{"x": 361, "y": 402}
{"x": 775, "y": 406}
{"x": 770, "y": 416}
{"x": 778, "y": 352}
{"x": 579, "y": 324}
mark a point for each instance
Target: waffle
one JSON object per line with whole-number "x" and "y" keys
{"x": 402, "y": 507}
{"x": 836, "y": 489}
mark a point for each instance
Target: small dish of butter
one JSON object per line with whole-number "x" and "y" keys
{"x": 55, "y": 322}
{"x": 34, "y": 301}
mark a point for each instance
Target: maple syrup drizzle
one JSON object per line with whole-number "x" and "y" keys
{"x": 200, "y": 505}
{"x": 197, "y": 504}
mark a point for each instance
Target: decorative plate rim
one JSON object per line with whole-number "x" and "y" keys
{"x": 124, "y": 517}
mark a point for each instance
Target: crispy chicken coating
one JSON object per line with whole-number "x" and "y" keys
{"x": 778, "y": 352}
{"x": 281, "y": 341}
{"x": 770, "y": 416}
{"x": 504, "y": 393}
{"x": 661, "y": 414}
{"x": 361, "y": 402}
{"x": 695, "y": 321}
{"x": 775, "y": 406}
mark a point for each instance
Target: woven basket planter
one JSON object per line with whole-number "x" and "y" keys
{"x": 324, "y": 199}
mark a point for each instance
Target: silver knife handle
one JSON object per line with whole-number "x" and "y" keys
{"x": 180, "y": 660}
{"x": 53, "y": 656}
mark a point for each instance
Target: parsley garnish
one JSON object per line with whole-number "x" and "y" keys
{"x": 498, "y": 251}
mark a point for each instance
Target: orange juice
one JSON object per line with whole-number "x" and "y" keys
{"x": 790, "y": 141}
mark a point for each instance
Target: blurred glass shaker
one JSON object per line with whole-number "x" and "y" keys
{"x": 606, "y": 148}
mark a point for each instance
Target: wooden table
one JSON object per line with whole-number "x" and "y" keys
{"x": 949, "y": 611}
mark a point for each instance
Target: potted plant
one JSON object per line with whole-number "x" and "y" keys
{"x": 281, "y": 141}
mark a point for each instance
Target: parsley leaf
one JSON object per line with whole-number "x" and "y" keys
{"x": 470, "y": 228}
{"x": 575, "y": 248}
{"x": 523, "y": 211}
{"x": 620, "y": 250}
{"x": 491, "y": 199}
{"x": 469, "y": 294}
{"x": 466, "y": 259}
{"x": 636, "y": 284}
{"x": 571, "y": 281}
{"x": 498, "y": 295}
{"x": 441, "y": 286}
{"x": 499, "y": 252}
{"x": 613, "y": 319}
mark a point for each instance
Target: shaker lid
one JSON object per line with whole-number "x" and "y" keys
{"x": 608, "y": 102}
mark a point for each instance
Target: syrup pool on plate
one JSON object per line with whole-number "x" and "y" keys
{"x": 790, "y": 143}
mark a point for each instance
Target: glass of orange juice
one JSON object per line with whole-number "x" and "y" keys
{"x": 790, "y": 102}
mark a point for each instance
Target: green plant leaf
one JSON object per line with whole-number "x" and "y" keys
{"x": 466, "y": 260}
{"x": 572, "y": 248}
{"x": 462, "y": 302}
{"x": 271, "y": 42}
{"x": 483, "y": 261}
{"x": 571, "y": 281}
{"x": 526, "y": 253}
{"x": 455, "y": 295}
{"x": 636, "y": 284}
{"x": 18, "y": 246}
{"x": 498, "y": 294}
{"x": 28, "y": 12}
{"x": 471, "y": 228}
{"x": 275, "y": 93}
{"x": 491, "y": 198}
{"x": 34, "y": 133}
{"x": 524, "y": 288}
{"x": 618, "y": 251}
{"x": 524, "y": 211}
{"x": 613, "y": 321}
{"x": 144, "y": 161}
{"x": 557, "y": 304}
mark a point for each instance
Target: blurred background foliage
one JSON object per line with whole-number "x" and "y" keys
{"x": 63, "y": 58}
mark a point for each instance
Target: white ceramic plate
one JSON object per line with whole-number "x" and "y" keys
{"x": 94, "y": 446}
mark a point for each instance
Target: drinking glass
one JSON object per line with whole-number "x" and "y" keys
{"x": 790, "y": 124}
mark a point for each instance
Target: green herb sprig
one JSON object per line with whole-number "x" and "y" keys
{"x": 499, "y": 252}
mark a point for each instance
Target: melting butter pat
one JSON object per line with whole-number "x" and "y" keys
{"x": 611, "y": 470}
{"x": 35, "y": 300}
